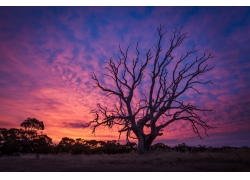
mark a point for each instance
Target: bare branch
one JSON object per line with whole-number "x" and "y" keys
{"x": 162, "y": 97}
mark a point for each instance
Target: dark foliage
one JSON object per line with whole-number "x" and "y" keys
{"x": 32, "y": 124}
{"x": 14, "y": 141}
{"x": 25, "y": 140}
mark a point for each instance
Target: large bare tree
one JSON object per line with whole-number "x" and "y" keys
{"x": 159, "y": 104}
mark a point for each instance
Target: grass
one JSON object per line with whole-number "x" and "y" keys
{"x": 132, "y": 162}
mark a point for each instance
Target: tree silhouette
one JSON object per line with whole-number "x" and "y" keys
{"x": 160, "y": 104}
{"x": 42, "y": 144}
{"x": 31, "y": 141}
{"x": 32, "y": 124}
{"x": 80, "y": 147}
{"x": 26, "y": 139}
{"x": 10, "y": 140}
{"x": 65, "y": 145}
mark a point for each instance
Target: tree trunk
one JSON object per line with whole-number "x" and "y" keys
{"x": 144, "y": 144}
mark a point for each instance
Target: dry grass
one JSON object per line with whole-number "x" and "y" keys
{"x": 153, "y": 162}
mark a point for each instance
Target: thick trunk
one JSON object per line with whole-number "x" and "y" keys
{"x": 144, "y": 144}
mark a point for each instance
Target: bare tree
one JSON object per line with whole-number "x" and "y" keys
{"x": 160, "y": 104}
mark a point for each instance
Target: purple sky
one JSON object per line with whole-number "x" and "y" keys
{"x": 47, "y": 55}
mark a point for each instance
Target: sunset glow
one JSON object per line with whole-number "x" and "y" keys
{"x": 47, "y": 55}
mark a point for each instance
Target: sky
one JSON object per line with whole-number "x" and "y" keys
{"x": 47, "y": 55}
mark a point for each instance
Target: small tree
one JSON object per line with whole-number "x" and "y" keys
{"x": 42, "y": 144}
{"x": 160, "y": 104}
{"x": 65, "y": 145}
{"x": 32, "y": 141}
{"x": 32, "y": 124}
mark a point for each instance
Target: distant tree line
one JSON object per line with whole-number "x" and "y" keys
{"x": 27, "y": 139}
{"x": 80, "y": 146}
{"x": 197, "y": 149}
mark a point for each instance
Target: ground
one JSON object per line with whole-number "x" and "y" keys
{"x": 132, "y": 162}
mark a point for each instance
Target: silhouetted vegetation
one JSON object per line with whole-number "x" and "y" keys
{"x": 26, "y": 139}
{"x": 14, "y": 141}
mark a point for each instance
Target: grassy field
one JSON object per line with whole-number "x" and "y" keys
{"x": 132, "y": 162}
